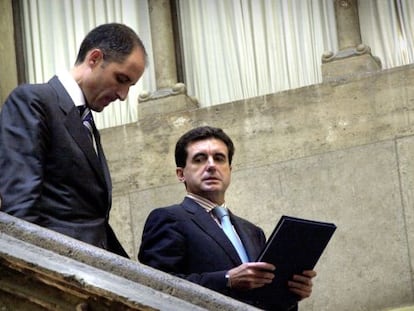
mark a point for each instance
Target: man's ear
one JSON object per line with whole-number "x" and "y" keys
{"x": 179, "y": 171}
{"x": 94, "y": 57}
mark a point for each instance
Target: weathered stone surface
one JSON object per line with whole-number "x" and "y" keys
{"x": 8, "y": 67}
{"x": 336, "y": 151}
{"x": 81, "y": 273}
{"x": 33, "y": 278}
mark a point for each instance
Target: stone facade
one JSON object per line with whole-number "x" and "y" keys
{"x": 338, "y": 152}
{"x": 8, "y": 66}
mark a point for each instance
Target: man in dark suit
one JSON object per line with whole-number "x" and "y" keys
{"x": 53, "y": 169}
{"x": 187, "y": 239}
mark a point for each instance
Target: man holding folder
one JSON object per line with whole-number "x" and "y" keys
{"x": 201, "y": 240}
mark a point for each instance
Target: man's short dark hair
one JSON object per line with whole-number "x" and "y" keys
{"x": 116, "y": 41}
{"x": 197, "y": 134}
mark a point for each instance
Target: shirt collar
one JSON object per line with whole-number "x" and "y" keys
{"x": 205, "y": 203}
{"x": 73, "y": 89}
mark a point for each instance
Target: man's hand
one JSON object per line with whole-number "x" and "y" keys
{"x": 251, "y": 275}
{"x": 301, "y": 284}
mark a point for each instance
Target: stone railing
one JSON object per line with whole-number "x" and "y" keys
{"x": 42, "y": 269}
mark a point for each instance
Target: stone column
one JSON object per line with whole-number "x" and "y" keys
{"x": 347, "y": 24}
{"x": 8, "y": 67}
{"x": 163, "y": 43}
{"x": 353, "y": 58}
{"x": 170, "y": 95}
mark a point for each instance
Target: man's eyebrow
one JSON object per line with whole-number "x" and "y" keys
{"x": 220, "y": 153}
{"x": 199, "y": 153}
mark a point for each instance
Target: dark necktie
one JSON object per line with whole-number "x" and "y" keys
{"x": 222, "y": 214}
{"x": 87, "y": 120}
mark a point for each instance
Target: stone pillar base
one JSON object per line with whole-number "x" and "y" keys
{"x": 165, "y": 101}
{"x": 349, "y": 63}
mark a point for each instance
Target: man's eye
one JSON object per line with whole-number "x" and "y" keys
{"x": 199, "y": 159}
{"x": 220, "y": 159}
{"x": 122, "y": 79}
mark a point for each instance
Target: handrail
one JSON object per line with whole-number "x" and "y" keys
{"x": 120, "y": 266}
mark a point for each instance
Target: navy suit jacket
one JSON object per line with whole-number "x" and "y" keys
{"x": 50, "y": 173}
{"x": 185, "y": 240}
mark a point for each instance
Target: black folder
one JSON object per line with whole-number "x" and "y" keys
{"x": 295, "y": 245}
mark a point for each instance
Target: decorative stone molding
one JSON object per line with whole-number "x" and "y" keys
{"x": 164, "y": 101}
{"x": 178, "y": 88}
{"x": 361, "y": 49}
{"x": 345, "y": 4}
{"x": 349, "y": 65}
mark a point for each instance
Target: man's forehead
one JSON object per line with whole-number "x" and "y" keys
{"x": 207, "y": 145}
{"x": 133, "y": 66}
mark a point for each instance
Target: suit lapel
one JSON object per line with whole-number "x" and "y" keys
{"x": 75, "y": 127}
{"x": 103, "y": 163}
{"x": 210, "y": 227}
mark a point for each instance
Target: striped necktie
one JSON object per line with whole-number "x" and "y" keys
{"x": 223, "y": 215}
{"x": 87, "y": 120}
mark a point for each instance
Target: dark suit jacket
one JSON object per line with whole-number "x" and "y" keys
{"x": 185, "y": 240}
{"x": 50, "y": 173}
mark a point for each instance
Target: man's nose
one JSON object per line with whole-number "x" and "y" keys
{"x": 211, "y": 163}
{"x": 123, "y": 92}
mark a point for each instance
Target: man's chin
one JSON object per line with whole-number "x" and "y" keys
{"x": 212, "y": 188}
{"x": 99, "y": 108}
